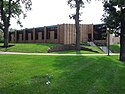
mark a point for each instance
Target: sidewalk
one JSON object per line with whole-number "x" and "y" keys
{"x": 51, "y": 54}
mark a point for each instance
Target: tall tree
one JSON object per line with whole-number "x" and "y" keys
{"x": 78, "y": 4}
{"x": 115, "y": 19}
{"x": 9, "y": 9}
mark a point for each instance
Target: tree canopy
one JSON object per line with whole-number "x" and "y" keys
{"x": 115, "y": 20}
{"x": 12, "y": 9}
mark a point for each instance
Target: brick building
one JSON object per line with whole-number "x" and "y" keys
{"x": 62, "y": 33}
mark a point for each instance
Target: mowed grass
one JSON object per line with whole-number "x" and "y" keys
{"x": 29, "y": 47}
{"x": 115, "y": 48}
{"x": 22, "y": 74}
{"x": 43, "y": 48}
{"x": 95, "y": 50}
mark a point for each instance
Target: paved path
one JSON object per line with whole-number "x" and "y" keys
{"x": 49, "y": 54}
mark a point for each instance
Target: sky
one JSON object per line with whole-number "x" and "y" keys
{"x": 53, "y": 12}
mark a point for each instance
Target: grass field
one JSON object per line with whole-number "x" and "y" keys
{"x": 43, "y": 47}
{"x": 22, "y": 74}
{"x": 29, "y": 47}
{"x": 93, "y": 48}
{"x": 115, "y": 48}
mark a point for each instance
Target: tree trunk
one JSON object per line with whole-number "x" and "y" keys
{"x": 6, "y": 36}
{"x": 122, "y": 43}
{"x": 77, "y": 26}
{"x": 122, "y": 38}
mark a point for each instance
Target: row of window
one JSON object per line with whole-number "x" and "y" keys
{"x": 37, "y": 34}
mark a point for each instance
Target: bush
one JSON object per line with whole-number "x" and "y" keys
{"x": 115, "y": 48}
{"x": 1, "y": 37}
{"x": 85, "y": 43}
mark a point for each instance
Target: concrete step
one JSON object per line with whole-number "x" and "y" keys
{"x": 92, "y": 43}
{"x": 104, "y": 49}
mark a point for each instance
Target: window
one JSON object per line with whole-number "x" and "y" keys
{"x": 36, "y": 35}
{"x": 55, "y": 34}
{"x": 47, "y": 34}
{"x": 26, "y": 35}
{"x": 43, "y": 35}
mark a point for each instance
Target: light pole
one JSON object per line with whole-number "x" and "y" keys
{"x": 108, "y": 40}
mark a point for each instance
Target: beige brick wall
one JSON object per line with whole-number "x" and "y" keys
{"x": 66, "y": 34}
{"x": 114, "y": 40}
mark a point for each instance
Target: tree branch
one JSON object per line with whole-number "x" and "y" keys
{"x": 9, "y": 7}
{"x": 2, "y": 12}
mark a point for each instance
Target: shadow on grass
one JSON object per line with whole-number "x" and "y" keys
{"x": 90, "y": 75}
{"x": 10, "y": 45}
{"x": 47, "y": 44}
{"x": 2, "y": 48}
{"x": 76, "y": 75}
{"x": 78, "y": 52}
{"x": 37, "y": 85}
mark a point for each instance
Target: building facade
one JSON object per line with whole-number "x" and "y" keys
{"x": 62, "y": 34}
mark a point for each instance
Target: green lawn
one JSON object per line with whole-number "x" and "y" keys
{"x": 115, "y": 48}
{"x": 43, "y": 47}
{"x": 29, "y": 47}
{"x": 22, "y": 74}
{"x": 94, "y": 48}
{"x": 75, "y": 52}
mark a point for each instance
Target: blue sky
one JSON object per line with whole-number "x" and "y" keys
{"x": 52, "y": 12}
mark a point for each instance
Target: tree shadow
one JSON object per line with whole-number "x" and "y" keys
{"x": 10, "y": 45}
{"x": 48, "y": 44}
{"x": 81, "y": 75}
{"x": 74, "y": 75}
{"x": 37, "y": 85}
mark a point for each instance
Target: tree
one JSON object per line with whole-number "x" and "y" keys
{"x": 11, "y": 9}
{"x": 115, "y": 19}
{"x": 77, "y": 4}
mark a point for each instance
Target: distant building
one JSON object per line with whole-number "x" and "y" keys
{"x": 61, "y": 34}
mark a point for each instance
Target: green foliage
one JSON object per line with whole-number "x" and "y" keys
{"x": 22, "y": 74}
{"x": 1, "y": 37}
{"x": 115, "y": 19}
{"x": 113, "y": 14}
{"x": 115, "y": 48}
{"x": 13, "y": 9}
{"x": 85, "y": 43}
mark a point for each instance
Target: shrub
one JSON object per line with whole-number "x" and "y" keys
{"x": 1, "y": 37}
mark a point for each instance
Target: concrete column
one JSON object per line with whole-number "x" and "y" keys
{"x": 39, "y": 35}
{"x": 24, "y": 35}
{"x": 52, "y": 35}
{"x": 15, "y": 36}
{"x": 12, "y": 38}
{"x": 58, "y": 33}
{"x": 65, "y": 38}
{"x": 29, "y": 36}
{"x": 45, "y": 33}
{"x": 92, "y": 32}
{"x": 9, "y": 38}
{"x": 20, "y": 37}
{"x": 33, "y": 34}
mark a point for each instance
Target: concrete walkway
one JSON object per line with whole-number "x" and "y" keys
{"x": 53, "y": 54}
